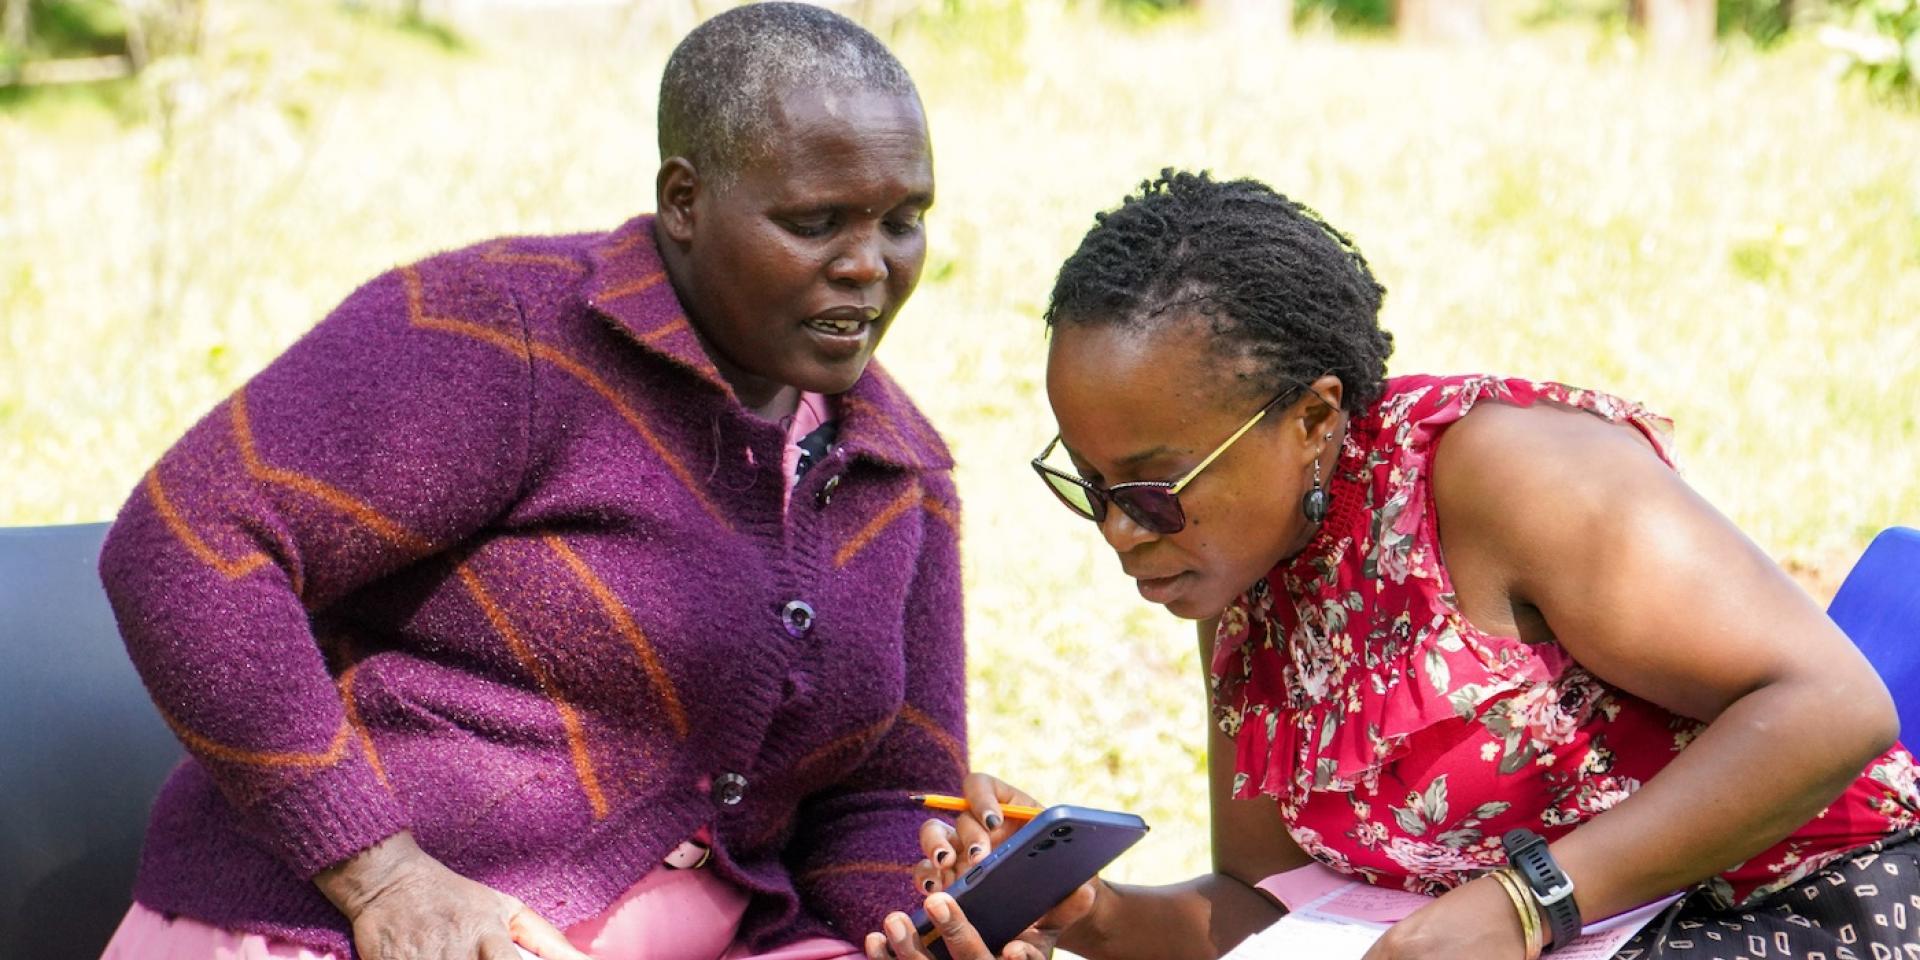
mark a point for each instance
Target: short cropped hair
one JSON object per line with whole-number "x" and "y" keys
{"x": 718, "y": 91}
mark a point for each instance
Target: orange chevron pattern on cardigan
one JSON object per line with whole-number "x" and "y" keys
{"x": 232, "y": 569}
{"x": 932, "y": 728}
{"x": 363, "y": 514}
{"x": 569, "y": 717}
{"x": 632, "y": 287}
{"x": 502, "y": 252}
{"x": 367, "y": 747}
{"x": 629, "y": 630}
{"x": 860, "y": 866}
{"x": 302, "y": 759}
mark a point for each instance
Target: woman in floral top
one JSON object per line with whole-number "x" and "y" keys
{"x": 1415, "y": 646}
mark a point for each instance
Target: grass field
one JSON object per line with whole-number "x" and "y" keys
{"x": 1738, "y": 245}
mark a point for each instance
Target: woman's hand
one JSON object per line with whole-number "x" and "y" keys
{"x": 405, "y": 905}
{"x": 902, "y": 942}
{"x": 1475, "y": 921}
{"x": 953, "y": 849}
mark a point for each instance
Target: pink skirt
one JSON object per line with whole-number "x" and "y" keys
{"x": 669, "y": 915}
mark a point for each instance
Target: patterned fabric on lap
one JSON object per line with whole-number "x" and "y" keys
{"x": 1864, "y": 905}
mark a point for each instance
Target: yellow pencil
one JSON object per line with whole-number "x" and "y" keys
{"x": 1015, "y": 813}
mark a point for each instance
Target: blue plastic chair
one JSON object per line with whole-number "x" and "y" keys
{"x": 82, "y": 751}
{"x": 1879, "y": 607}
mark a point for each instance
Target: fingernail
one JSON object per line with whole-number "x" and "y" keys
{"x": 897, "y": 928}
{"x": 940, "y": 909}
{"x": 926, "y": 885}
{"x": 942, "y": 857}
{"x": 993, "y": 820}
{"x": 976, "y": 851}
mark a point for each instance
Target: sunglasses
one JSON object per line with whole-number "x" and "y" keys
{"x": 1153, "y": 504}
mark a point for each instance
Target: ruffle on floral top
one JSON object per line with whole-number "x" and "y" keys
{"x": 1400, "y": 741}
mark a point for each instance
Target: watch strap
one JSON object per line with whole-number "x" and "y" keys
{"x": 1552, "y": 889}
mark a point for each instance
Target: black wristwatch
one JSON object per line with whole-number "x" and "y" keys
{"x": 1552, "y": 889}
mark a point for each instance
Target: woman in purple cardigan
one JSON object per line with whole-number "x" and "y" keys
{"x": 593, "y": 583}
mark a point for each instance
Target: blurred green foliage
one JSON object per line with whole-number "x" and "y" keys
{"x": 1881, "y": 41}
{"x": 68, "y": 28}
{"x": 1146, "y": 9}
{"x": 1765, "y": 22}
{"x": 409, "y": 20}
{"x": 1347, "y": 14}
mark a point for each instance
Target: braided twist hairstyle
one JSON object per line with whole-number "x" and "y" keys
{"x": 1283, "y": 288}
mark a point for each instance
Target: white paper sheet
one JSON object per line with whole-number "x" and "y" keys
{"x": 1332, "y": 916}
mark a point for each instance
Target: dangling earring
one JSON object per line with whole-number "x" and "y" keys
{"x": 1314, "y": 504}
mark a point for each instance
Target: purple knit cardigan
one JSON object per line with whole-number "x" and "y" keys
{"x": 495, "y": 556}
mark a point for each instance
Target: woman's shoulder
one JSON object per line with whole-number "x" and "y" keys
{"x": 1449, "y": 397}
{"x": 529, "y": 268}
{"x": 490, "y": 289}
{"x": 1415, "y": 411}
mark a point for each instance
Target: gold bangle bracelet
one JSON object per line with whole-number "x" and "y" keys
{"x": 1529, "y": 921}
{"x": 1524, "y": 903}
{"x": 1530, "y": 928}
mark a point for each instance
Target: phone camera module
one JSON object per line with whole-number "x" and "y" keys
{"x": 1046, "y": 844}
{"x": 1062, "y": 831}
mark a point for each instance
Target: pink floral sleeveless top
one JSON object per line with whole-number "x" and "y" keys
{"x": 1399, "y": 741}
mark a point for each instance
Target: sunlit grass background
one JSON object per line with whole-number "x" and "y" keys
{"x": 1737, "y": 244}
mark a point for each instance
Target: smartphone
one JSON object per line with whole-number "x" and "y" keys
{"x": 1033, "y": 870}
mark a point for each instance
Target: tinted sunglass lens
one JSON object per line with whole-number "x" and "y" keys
{"x": 1072, "y": 494}
{"x": 1157, "y": 510}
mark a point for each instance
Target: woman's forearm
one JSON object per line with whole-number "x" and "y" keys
{"x": 1764, "y": 767}
{"x": 1196, "y": 920}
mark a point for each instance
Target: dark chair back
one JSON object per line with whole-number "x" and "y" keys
{"x": 82, "y": 750}
{"x": 1879, "y": 607}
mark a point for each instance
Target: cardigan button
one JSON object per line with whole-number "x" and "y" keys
{"x": 729, "y": 789}
{"x": 797, "y": 615}
{"x": 825, "y": 496}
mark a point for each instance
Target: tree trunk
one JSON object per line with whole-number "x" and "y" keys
{"x": 163, "y": 28}
{"x": 17, "y": 25}
{"x": 137, "y": 49}
{"x": 1441, "y": 21}
{"x": 1265, "y": 19}
{"x": 1677, "y": 27}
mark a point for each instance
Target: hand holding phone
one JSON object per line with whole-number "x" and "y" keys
{"x": 1038, "y": 866}
{"x": 960, "y": 941}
